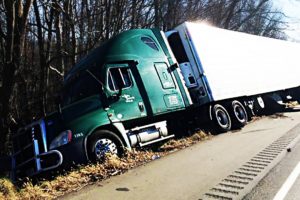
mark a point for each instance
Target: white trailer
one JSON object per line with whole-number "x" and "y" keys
{"x": 231, "y": 71}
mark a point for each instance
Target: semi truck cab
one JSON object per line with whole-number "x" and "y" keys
{"x": 119, "y": 96}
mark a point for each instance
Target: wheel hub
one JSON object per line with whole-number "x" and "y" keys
{"x": 104, "y": 146}
{"x": 222, "y": 119}
{"x": 239, "y": 113}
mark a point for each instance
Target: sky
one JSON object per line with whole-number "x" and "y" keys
{"x": 291, "y": 8}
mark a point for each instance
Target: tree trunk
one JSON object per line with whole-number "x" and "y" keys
{"x": 16, "y": 19}
{"x": 57, "y": 25}
{"x": 157, "y": 16}
{"x": 43, "y": 61}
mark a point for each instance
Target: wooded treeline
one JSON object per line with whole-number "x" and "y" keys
{"x": 40, "y": 40}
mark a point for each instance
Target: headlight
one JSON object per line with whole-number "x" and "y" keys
{"x": 62, "y": 139}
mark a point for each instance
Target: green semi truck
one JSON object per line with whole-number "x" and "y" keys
{"x": 142, "y": 85}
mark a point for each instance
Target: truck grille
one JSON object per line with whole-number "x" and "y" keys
{"x": 29, "y": 142}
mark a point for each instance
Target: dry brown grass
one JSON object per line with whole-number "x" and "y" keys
{"x": 176, "y": 144}
{"x": 7, "y": 189}
{"x": 77, "y": 178}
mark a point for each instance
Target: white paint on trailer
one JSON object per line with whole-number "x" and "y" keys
{"x": 239, "y": 64}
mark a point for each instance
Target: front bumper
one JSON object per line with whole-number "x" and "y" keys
{"x": 31, "y": 155}
{"x": 61, "y": 157}
{"x": 40, "y": 163}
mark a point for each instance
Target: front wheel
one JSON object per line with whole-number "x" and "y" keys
{"x": 104, "y": 142}
{"x": 220, "y": 118}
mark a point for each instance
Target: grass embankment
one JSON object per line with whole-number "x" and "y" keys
{"x": 77, "y": 178}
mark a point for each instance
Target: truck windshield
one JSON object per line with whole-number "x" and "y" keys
{"x": 79, "y": 87}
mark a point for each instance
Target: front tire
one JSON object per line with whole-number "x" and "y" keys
{"x": 221, "y": 119}
{"x": 102, "y": 142}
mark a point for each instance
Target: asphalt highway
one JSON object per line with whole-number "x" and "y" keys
{"x": 283, "y": 181}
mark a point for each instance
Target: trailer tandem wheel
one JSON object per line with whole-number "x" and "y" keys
{"x": 238, "y": 114}
{"x": 221, "y": 119}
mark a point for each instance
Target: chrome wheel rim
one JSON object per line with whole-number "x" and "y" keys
{"x": 104, "y": 146}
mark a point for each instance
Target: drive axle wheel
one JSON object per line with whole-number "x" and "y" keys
{"x": 104, "y": 142}
{"x": 221, "y": 119}
{"x": 238, "y": 114}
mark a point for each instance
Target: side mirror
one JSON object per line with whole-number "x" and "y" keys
{"x": 116, "y": 96}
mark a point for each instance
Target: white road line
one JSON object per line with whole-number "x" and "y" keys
{"x": 288, "y": 183}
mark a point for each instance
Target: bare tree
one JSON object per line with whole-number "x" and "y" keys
{"x": 16, "y": 20}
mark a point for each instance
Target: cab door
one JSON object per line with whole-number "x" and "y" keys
{"x": 125, "y": 101}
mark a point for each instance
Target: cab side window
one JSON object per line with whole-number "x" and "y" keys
{"x": 119, "y": 77}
